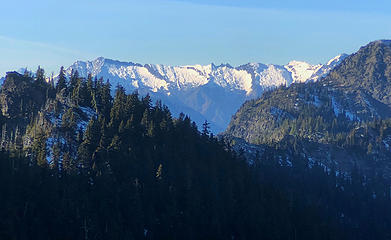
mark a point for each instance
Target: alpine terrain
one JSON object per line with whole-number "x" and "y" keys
{"x": 341, "y": 121}
{"x": 86, "y": 158}
{"x": 212, "y": 93}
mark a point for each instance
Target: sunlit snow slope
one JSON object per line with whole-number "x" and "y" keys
{"x": 210, "y": 92}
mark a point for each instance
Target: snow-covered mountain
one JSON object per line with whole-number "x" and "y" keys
{"x": 210, "y": 92}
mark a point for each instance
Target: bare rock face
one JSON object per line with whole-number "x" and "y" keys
{"x": 20, "y": 96}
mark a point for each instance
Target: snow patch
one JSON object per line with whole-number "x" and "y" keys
{"x": 338, "y": 110}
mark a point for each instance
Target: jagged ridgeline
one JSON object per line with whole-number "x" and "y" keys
{"x": 204, "y": 92}
{"x": 348, "y": 109}
{"x": 78, "y": 163}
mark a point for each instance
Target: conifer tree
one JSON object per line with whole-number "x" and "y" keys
{"x": 73, "y": 81}
{"x": 39, "y": 149}
{"x": 61, "y": 84}
{"x": 106, "y": 99}
{"x": 205, "y": 128}
{"x": 40, "y": 76}
{"x": 90, "y": 90}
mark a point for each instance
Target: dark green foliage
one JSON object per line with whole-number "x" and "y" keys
{"x": 80, "y": 95}
{"x": 338, "y": 120}
{"x": 303, "y": 110}
{"x": 206, "y": 128}
{"x": 40, "y": 76}
{"x": 186, "y": 187}
{"x": 74, "y": 79}
{"x": 61, "y": 83}
{"x": 22, "y": 96}
{"x": 39, "y": 149}
{"x": 369, "y": 69}
{"x": 129, "y": 170}
{"x": 355, "y": 91}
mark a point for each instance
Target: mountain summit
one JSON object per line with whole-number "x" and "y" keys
{"x": 210, "y": 92}
{"x": 359, "y": 89}
{"x": 341, "y": 120}
{"x": 368, "y": 70}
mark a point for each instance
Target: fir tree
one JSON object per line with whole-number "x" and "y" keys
{"x": 40, "y": 76}
{"x": 61, "y": 83}
{"x": 39, "y": 149}
{"x": 205, "y": 128}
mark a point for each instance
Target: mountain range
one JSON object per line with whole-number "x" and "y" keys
{"x": 308, "y": 159}
{"x": 212, "y": 93}
{"x": 341, "y": 121}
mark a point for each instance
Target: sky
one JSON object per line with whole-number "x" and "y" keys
{"x": 182, "y": 32}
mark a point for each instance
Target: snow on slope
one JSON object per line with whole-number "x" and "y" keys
{"x": 206, "y": 92}
{"x": 302, "y": 71}
{"x": 325, "y": 69}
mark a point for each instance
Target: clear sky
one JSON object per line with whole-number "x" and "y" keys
{"x": 54, "y": 33}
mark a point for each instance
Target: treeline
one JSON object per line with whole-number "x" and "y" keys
{"x": 136, "y": 172}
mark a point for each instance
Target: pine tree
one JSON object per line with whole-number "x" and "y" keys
{"x": 73, "y": 81}
{"x": 40, "y": 76}
{"x": 79, "y": 94}
{"x": 61, "y": 84}
{"x": 117, "y": 111}
{"x": 39, "y": 149}
{"x": 69, "y": 120}
{"x": 205, "y": 128}
{"x": 89, "y": 145}
{"x": 90, "y": 91}
{"x": 103, "y": 97}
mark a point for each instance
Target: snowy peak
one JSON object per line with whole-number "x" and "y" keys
{"x": 325, "y": 69}
{"x": 336, "y": 60}
{"x": 212, "y": 92}
{"x": 302, "y": 71}
{"x": 250, "y": 78}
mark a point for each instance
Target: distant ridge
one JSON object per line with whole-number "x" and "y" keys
{"x": 209, "y": 92}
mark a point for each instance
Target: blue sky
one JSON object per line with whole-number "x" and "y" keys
{"x": 179, "y": 32}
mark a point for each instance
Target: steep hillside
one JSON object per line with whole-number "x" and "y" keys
{"x": 356, "y": 90}
{"x": 76, "y": 163}
{"x": 368, "y": 70}
{"x": 337, "y": 111}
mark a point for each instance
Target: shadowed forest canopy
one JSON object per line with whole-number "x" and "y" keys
{"x": 78, "y": 163}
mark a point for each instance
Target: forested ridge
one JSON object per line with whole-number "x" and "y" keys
{"x": 78, "y": 163}
{"x": 343, "y": 120}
